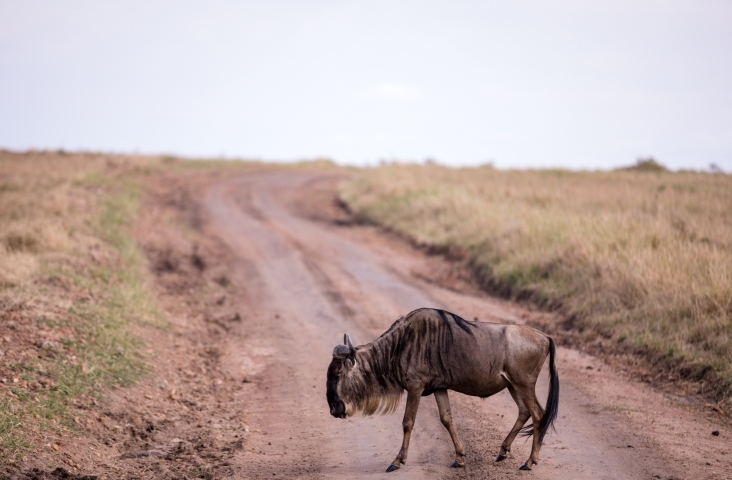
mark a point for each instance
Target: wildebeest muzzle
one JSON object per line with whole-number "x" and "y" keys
{"x": 338, "y": 409}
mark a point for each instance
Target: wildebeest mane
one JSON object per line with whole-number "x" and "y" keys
{"x": 457, "y": 320}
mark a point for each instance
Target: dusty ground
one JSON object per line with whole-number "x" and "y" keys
{"x": 259, "y": 276}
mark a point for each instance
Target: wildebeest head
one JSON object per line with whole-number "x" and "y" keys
{"x": 344, "y": 359}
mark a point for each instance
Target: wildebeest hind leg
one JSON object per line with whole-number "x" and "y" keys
{"x": 523, "y": 415}
{"x": 536, "y": 414}
{"x": 410, "y": 413}
{"x": 443, "y": 405}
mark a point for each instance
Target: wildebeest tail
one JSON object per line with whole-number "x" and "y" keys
{"x": 552, "y": 401}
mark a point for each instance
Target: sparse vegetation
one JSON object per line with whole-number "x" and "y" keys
{"x": 70, "y": 283}
{"x": 639, "y": 260}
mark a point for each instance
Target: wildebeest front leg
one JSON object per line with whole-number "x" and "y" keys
{"x": 443, "y": 405}
{"x": 410, "y": 413}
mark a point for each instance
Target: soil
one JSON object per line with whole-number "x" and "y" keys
{"x": 258, "y": 277}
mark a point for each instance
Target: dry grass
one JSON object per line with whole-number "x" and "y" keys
{"x": 70, "y": 283}
{"x": 640, "y": 259}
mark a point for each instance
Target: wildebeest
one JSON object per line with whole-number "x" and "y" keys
{"x": 432, "y": 351}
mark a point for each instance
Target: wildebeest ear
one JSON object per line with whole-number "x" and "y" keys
{"x": 347, "y": 341}
{"x": 341, "y": 351}
{"x": 350, "y": 362}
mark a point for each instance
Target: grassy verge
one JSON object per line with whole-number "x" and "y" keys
{"x": 640, "y": 261}
{"x": 71, "y": 285}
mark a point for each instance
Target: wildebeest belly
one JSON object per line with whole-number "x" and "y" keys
{"x": 484, "y": 389}
{"x": 475, "y": 385}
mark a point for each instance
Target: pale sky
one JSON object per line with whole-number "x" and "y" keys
{"x": 577, "y": 84}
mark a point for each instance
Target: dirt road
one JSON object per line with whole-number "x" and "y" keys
{"x": 306, "y": 282}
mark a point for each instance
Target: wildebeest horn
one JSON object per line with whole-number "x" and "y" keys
{"x": 347, "y": 341}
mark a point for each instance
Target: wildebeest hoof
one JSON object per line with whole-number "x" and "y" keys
{"x": 391, "y": 468}
{"x": 501, "y": 458}
{"x": 525, "y": 467}
{"x": 457, "y": 465}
